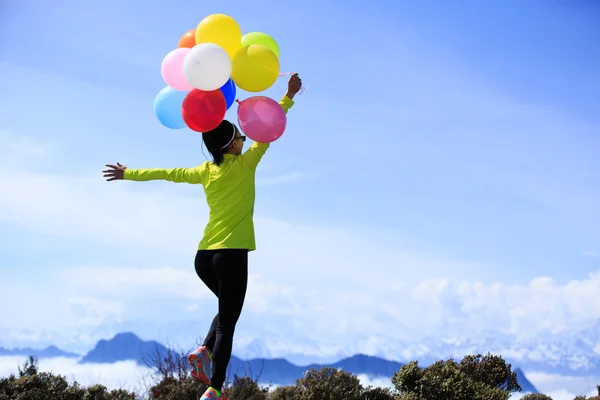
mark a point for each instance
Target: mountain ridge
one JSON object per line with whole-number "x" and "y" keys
{"x": 574, "y": 353}
{"x": 128, "y": 346}
{"x": 47, "y": 352}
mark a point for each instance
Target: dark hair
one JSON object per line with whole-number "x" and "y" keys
{"x": 216, "y": 141}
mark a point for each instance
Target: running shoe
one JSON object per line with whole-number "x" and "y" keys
{"x": 212, "y": 394}
{"x": 200, "y": 360}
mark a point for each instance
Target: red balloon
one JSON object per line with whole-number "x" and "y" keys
{"x": 203, "y": 111}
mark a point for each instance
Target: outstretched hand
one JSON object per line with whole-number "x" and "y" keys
{"x": 294, "y": 85}
{"x": 116, "y": 172}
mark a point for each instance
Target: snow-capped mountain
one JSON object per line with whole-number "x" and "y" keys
{"x": 565, "y": 354}
{"x": 554, "y": 353}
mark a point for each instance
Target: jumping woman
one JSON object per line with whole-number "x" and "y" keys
{"x": 222, "y": 258}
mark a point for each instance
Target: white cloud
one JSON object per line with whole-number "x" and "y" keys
{"x": 366, "y": 381}
{"x": 560, "y": 385}
{"x": 132, "y": 281}
{"x": 78, "y": 310}
{"x": 86, "y": 207}
{"x": 526, "y": 310}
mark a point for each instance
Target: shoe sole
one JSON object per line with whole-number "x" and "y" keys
{"x": 197, "y": 373}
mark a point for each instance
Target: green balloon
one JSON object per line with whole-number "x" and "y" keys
{"x": 262, "y": 39}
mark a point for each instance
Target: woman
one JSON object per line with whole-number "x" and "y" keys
{"x": 222, "y": 258}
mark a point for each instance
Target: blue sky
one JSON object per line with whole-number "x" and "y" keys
{"x": 439, "y": 145}
{"x": 467, "y": 108}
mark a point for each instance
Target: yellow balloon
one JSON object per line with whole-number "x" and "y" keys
{"x": 222, "y": 30}
{"x": 255, "y": 68}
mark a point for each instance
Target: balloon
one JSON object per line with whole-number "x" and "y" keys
{"x": 203, "y": 111}
{"x": 229, "y": 91}
{"x": 167, "y": 107}
{"x": 171, "y": 69}
{"x": 261, "y": 38}
{"x": 255, "y": 68}
{"x": 207, "y": 66}
{"x": 188, "y": 39}
{"x": 220, "y": 29}
{"x": 262, "y": 119}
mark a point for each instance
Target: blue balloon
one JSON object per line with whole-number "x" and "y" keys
{"x": 228, "y": 90}
{"x": 167, "y": 107}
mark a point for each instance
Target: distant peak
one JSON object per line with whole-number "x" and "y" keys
{"x": 126, "y": 336}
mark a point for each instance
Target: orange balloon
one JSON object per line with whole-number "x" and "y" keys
{"x": 188, "y": 39}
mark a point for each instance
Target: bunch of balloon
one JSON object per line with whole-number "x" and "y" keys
{"x": 202, "y": 74}
{"x": 199, "y": 87}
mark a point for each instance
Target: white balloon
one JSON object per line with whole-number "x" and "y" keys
{"x": 207, "y": 66}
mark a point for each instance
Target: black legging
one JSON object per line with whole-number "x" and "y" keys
{"x": 225, "y": 272}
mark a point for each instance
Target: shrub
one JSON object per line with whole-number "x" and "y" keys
{"x": 474, "y": 378}
{"x": 377, "y": 393}
{"x": 490, "y": 370}
{"x": 536, "y": 397}
{"x": 245, "y": 388}
{"x": 329, "y": 384}
{"x": 176, "y": 389}
{"x": 286, "y": 393}
{"x": 34, "y": 385}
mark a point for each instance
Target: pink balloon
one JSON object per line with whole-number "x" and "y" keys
{"x": 171, "y": 69}
{"x": 262, "y": 119}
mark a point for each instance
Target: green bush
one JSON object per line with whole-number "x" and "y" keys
{"x": 245, "y": 388}
{"x": 473, "y": 378}
{"x": 34, "y": 385}
{"x": 176, "y": 389}
{"x": 286, "y": 393}
{"x": 376, "y": 393}
{"x": 536, "y": 397}
{"x": 329, "y": 384}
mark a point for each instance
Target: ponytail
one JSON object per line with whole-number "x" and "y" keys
{"x": 217, "y": 156}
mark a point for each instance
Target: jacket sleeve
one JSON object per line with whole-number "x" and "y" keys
{"x": 254, "y": 154}
{"x": 193, "y": 175}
